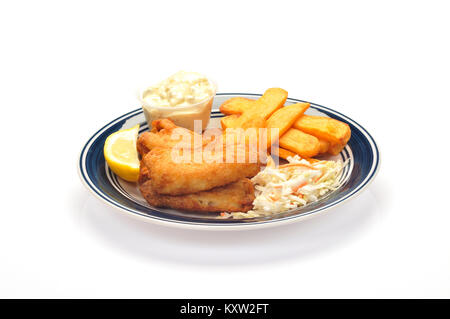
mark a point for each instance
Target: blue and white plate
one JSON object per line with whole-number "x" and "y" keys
{"x": 361, "y": 151}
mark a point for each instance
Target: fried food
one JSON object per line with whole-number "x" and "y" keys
{"x": 326, "y": 128}
{"x": 335, "y": 149}
{"x": 235, "y": 105}
{"x": 332, "y": 135}
{"x": 242, "y": 121}
{"x": 177, "y": 167}
{"x": 257, "y": 112}
{"x": 234, "y": 197}
{"x": 300, "y": 143}
{"x": 144, "y": 173}
{"x": 229, "y": 121}
{"x": 221, "y": 195}
{"x": 165, "y": 134}
{"x": 283, "y": 119}
{"x": 172, "y": 177}
{"x": 324, "y": 146}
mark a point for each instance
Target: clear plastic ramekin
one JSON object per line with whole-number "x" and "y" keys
{"x": 183, "y": 116}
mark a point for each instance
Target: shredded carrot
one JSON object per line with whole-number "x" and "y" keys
{"x": 222, "y": 214}
{"x": 294, "y": 190}
{"x": 319, "y": 177}
{"x": 296, "y": 164}
{"x": 274, "y": 198}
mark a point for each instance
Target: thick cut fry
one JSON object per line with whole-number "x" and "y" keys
{"x": 260, "y": 110}
{"x": 234, "y": 121}
{"x": 335, "y": 149}
{"x": 284, "y": 118}
{"x": 324, "y": 146}
{"x": 229, "y": 121}
{"x": 236, "y": 105}
{"x": 326, "y": 128}
{"x": 272, "y": 100}
{"x": 301, "y": 143}
{"x": 284, "y": 153}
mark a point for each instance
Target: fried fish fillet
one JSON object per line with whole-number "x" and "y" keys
{"x": 234, "y": 197}
{"x": 197, "y": 187}
{"x": 170, "y": 177}
{"x": 144, "y": 174}
{"x": 172, "y": 174}
{"x": 166, "y": 134}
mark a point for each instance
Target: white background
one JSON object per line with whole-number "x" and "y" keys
{"x": 68, "y": 68}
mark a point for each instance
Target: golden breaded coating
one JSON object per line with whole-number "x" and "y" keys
{"x": 234, "y": 197}
{"x": 165, "y": 134}
{"x": 144, "y": 173}
{"x": 172, "y": 174}
{"x": 173, "y": 177}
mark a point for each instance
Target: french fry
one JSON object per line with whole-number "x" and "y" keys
{"x": 326, "y": 128}
{"x": 272, "y": 100}
{"x": 258, "y": 111}
{"x": 284, "y": 118}
{"x": 324, "y": 146}
{"x": 236, "y": 105}
{"x": 305, "y": 135}
{"x": 300, "y": 143}
{"x": 335, "y": 149}
{"x": 229, "y": 121}
{"x": 233, "y": 121}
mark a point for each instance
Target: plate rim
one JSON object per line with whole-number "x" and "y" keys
{"x": 232, "y": 226}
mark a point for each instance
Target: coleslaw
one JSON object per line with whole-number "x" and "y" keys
{"x": 292, "y": 185}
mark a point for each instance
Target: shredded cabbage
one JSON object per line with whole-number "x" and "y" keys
{"x": 279, "y": 189}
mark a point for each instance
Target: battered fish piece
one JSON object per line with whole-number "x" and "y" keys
{"x": 169, "y": 177}
{"x": 144, "y": 173}
{"x": 165, "y": 134}
{"x": 192, "y": 174}
{"x": 207, "y": 191}
{"x": 234, "y": 197}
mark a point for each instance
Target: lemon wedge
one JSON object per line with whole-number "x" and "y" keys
{"x": 121, "y": 153}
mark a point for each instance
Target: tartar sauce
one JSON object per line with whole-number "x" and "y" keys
{"x": 183, "y": 97}
{"x": 181, "y": 89}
